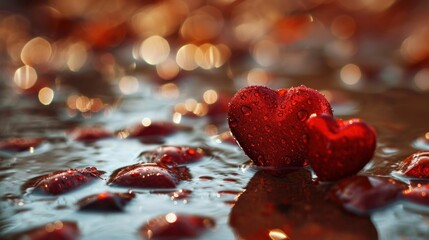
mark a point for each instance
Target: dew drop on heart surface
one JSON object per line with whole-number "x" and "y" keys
{"x": 267, "y": 128}
{"x": 176, "y": 226}
{"x": 302, "y": 115}
{"x": 246, "y": 110}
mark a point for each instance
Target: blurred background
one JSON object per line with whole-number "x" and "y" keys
{"x": 90, "y": 52}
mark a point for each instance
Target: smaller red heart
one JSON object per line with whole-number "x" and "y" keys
{"x": 337, "y": 148}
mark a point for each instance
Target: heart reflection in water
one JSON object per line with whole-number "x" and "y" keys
{"x": 293, "y": 207}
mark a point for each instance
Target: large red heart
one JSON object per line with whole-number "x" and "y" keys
{"x": 337, "y": 148}
{"x": 270, "y": 125}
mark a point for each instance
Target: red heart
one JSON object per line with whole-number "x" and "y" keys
{"x": 337, "y": 148}
{"x": 270, "y": 125}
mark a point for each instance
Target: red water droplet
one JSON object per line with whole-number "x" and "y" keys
{"x": 149, "y": 175}
{"x": 19, "y": 144}
{"x": 302, "y": 115}
{"x": 176, "y": 226}
{"x": 363, "y": 194}
{"x": 246, "y": 110}
{"x": 58, "y": 230}
{"x": 106, "y": 202}
{"x": 63, "y": 181}
{"x": 416, "y": 165}
{"x": 89, "y": 134}
{"x": 174, "y": 155}
{"x": 419, "y": 195}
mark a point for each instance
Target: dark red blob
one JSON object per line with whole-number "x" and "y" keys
{"x": 105, "y": 202}
{"x": 90, "y": 134}
{"x": 362, "y": 194}
{"x": 416, "y": 165}
{"x": 149, "y": 175}
{"x": 176, "y": 226}
{"x": 270, "y": 125}
{"x": 293, "y": 207}
{"x": 419, "y": 195}
{"x": 155, "y": 129}
{"x": 337, "y": 148}
{"x": 62, "y": 181}
{"x": 173, "y": 155}
{"x": 57, "y": 230}
{"x": 19, "y": 144}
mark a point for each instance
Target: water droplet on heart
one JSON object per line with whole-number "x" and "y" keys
{"x": 260, "y": 159}
{"x": 243, "y": 97}
{"x": 288, "y": 160}
{"x": 282, "y": 106}
{"x": 265, "y": 118}
{"x": 280, "y": 114}
{"x": 256, "y": 94}
{"x": 283, "y": 141}
{"x": 268, "y": 128}
{"x": 305, "y": 138}
{"x": 302, "y": 115}
{"x": 275, "y": 105}
{"x": 293, "y": 102}
{"x": 233, "y": 123}
{"x": 249, "y": 135}
{"x": 309, "y": 101}
{"x": 246, "y": 110}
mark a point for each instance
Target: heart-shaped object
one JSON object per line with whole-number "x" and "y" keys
{"x": 270, "y": 126}
{"x": 337, "y": 148}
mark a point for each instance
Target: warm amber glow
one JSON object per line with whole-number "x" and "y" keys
{"x": 46, "y": 95}
{"x": 203, "y": 24}
{"x": 171, "y": 218}
{"x": 190, "y": 104}
{"x": 177, "y": 117}
{"x": 185, "y": 57}
{"x": 155, "y": 50}
{"x": 350, "y": 74}
{"x": 343, "y": 27}
{"x": 76, "y": 56}
{"x": 83, "y": 104}
{"x": 266, "y": 52}
{"x": 25, "y": 77}
{"x": 128, "y": 85}
{"x": 208, "y": 56}
{"x": 415, "y": 48}
{"x": 210, "y": 96}
{"x": 167, "y": 69}
{"x": 36, "y": 51}
{"x": 169, "y": 90}
{"x": 277, "y": 234}
{"x": 146, "y": 122}
{"x": 421, "y": 79}
{"x": 257, "y": 76}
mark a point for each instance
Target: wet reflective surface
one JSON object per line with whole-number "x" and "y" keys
{"x": 105, "y": 83}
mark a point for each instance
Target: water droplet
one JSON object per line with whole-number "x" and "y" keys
{"x": 268, "y": 128}
{"x": 283, "y": 141}
{"x": 282, "y": 106}
{"x": 249, "y": 135}
{"x": 302, "y": 115}
{"x": 243, "y": 97}
{"x": 260, "y": 159}
{"x": 275, "y": 105}
{"x": 309, "y": 101}
{"x": 287, "y": 160}
{"x": 280, "y": 114}
{"x": 305, "y": 138}
{"x": 246, "y": 110}
{"x": 293, "y": 102}
{"x": 265, "y": 117}
{"x": 233, "y": 123}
